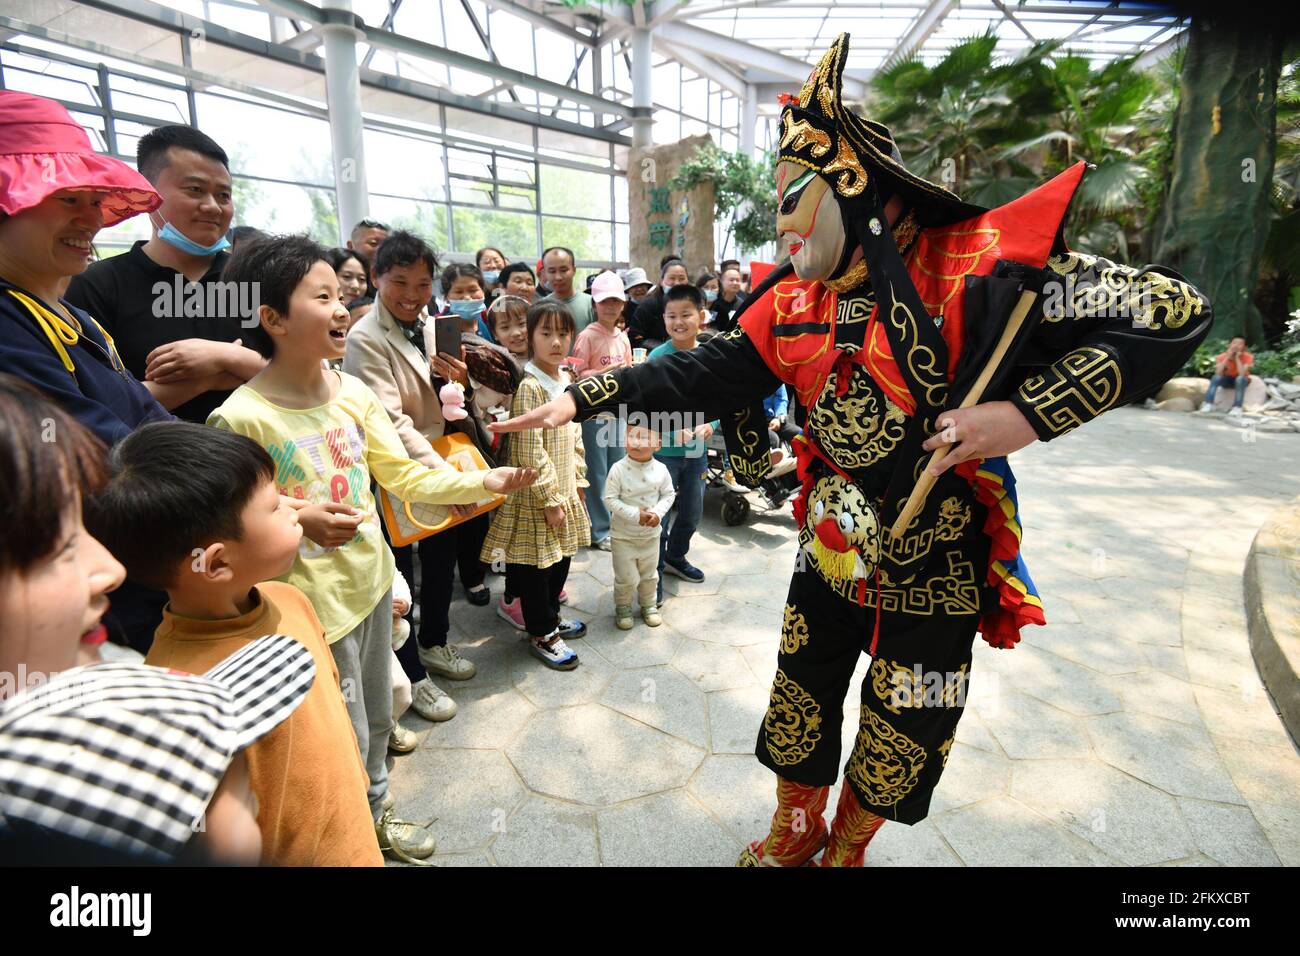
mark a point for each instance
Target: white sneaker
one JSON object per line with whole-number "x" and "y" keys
{"x": 553, "y": 652}
{"x": 403, "y": 741}
{"x": 1234, "y": 412}
{"x": 1205, "y": 408}
{"x": 407, "y": 841}
{"x": 431, "y": 702}
{"x": 447, "y": 662}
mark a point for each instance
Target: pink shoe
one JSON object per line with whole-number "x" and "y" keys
{"x": 513, "y": 612}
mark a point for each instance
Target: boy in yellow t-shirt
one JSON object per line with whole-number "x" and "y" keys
{"x": 328, "y": 435}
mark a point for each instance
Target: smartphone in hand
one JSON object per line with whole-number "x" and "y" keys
{"x": 446, "y": 335}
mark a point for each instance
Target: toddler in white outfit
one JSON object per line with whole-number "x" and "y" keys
{"x": 638, "y": 493}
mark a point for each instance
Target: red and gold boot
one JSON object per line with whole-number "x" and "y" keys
{"x": 798, "y": 830}
{"x": 851, "y": 831}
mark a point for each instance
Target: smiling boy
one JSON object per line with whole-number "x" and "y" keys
{"x": 683, "y": 453}
{"x": 327, "y": 434}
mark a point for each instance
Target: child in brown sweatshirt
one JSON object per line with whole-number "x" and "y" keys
{"x": 195, "y": 511}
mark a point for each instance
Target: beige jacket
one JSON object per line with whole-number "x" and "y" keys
{"x": 382, "y": 357}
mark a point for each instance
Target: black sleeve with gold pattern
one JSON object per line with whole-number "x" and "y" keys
{"x": 1110, "y": 334}
{"x": 714, "y": 379}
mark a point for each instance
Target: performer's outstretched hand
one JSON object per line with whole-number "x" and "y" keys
{"x": 557, "y": 412}
{"x": 981, "y": 431}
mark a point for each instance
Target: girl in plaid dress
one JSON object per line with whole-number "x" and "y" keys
{"x": 537, "y": 531}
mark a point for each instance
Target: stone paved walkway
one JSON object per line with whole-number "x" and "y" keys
{"x": 1132, "y": 730}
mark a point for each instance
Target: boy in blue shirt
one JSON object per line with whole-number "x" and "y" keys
{"x": 683, "y": 452}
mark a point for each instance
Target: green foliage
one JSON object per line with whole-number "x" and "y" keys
{"x": 990, "y": 129}
{"x": 743, "y": 189}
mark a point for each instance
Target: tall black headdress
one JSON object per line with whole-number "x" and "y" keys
{"x": 861, "y": 163}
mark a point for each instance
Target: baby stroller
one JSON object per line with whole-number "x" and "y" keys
{"x": 773, "y": 491}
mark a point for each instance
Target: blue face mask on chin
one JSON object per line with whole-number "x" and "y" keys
{"x": 491, "y": 276}
{"x": 467, "y": 310}
{"x": 174, "y": 237}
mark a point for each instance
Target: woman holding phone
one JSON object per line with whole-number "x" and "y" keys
{"x": 389, "y": 350}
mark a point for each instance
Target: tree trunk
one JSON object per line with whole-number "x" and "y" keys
{"x": 1215, "y": 218}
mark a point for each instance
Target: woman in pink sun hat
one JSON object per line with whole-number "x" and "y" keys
{"x": 56, "y": 194}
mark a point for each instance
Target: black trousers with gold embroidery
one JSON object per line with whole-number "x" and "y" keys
{"x": 912, "y": 697}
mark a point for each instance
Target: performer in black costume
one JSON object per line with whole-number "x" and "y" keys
{"x": 893, "y": 301}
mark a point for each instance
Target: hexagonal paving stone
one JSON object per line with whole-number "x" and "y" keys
{"x": 1003, "y": 832}
{"x": 1227, "y": 834}
{"x": 1175, "y": 757}
{"x": 667, "y": 829}
{"x": 663, "y": 698}
{"x": 1087, "y": 646}
{"x": 739, "y": 791}
{"x": 712, "y": 666}
{"x": 640, "y": 647}
{"x": 761, "y": 659}
{"x": 487, "y": 718}
{"x": 1124, "y": 818}
{"x": 1026, "y": 727}
{"x": 760, "y": 590}
{"x": 546, "y": 832}
{"x": 1248, "y": 715}
{"x": 896, "y": 844}
{"x": 594, "y": 756}
{"x": 734, "y": 719}
{"x": 720, "y": 620}
{"x": 545, "y": 687}
{"x": 969, "y": 776}
{"x": 587, "y": 596}
{"x": 1154, "y": 692}
{"x": 1056, "y": 681}
{"x": 469, "y": 792}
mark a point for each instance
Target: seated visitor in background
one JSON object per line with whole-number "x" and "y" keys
{"x": 637, "y": 286}
{"x": 1231, "y": 367}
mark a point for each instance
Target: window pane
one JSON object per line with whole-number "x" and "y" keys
{"x": 300, "y": 150}
{"x": 403, "y": 166}
{"x": 575, "y": 192}
{"x": 588, "y": 240}
{"x": 149, "y": 99}
{"x": 513, "y": 233}
{"x": 282, "y": 208}
{"x": 426, "y": 219}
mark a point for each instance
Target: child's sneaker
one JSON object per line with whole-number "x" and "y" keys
{"x": 431, "y": 702}
{"x": 623, "y": 617}
{"x": 513, "y": 612}
{"x": 406, "y": 841}
{"x": 401, "y": 740}
{"x": 651, "y": 616}
{"x": 446, "y": 660}
{"x": 553, "y": 652}
{"x": 572, "y": 630}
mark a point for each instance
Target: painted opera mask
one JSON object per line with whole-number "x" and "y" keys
{"x": 808, "y": 221}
